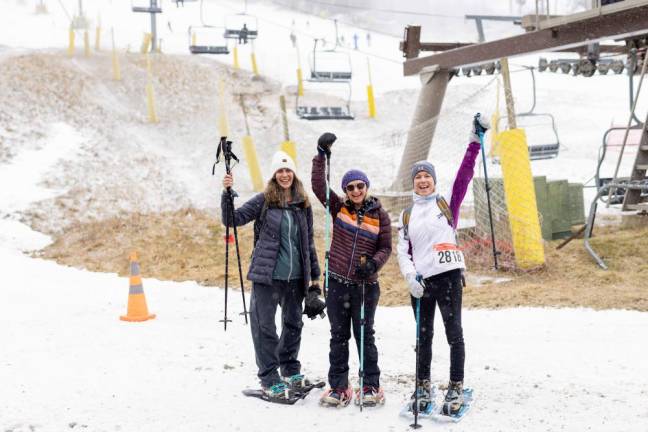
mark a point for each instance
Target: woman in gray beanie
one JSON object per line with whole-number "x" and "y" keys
{"x": 432, "y": 263}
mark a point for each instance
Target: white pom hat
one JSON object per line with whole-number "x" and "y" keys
{"x": 282, "y": 160}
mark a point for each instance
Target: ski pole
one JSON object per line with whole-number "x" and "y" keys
{"x": 415, "y": 425}
{"x": 363, "y": 260}
{"x": 327, "y": 234}
{"x": 480, "y": 132}
{"x": 238, "y": 257}
{"x": 225, "y": 320}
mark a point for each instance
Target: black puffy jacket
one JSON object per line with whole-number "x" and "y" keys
{"x": 267, "y": 247}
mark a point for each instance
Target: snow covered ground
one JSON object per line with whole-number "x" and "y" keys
{"x": 67, "y": 362}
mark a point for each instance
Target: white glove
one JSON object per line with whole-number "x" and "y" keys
{"x": 416, "y": 288}
{"x": 483, "y": 123}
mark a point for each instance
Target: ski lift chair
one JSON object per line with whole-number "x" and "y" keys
{"x": 234, "y": 24}
{"x": 613, "y": 138}
{"x": 330, "y": 69}
{"x": 330, "y": 65}
{"x": 145, "y": 6}
{"x": 543, "y": 133}
{"x": 312, "y": 111}
{"x": 206, "y": 33}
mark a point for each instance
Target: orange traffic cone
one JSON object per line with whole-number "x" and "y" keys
{"x": 137, "y": 310}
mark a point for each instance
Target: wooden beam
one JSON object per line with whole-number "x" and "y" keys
{"x": 614, "y": 25}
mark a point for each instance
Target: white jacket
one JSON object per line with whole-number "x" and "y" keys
{"x": 432, "y": 245}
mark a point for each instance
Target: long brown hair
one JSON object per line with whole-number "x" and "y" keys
{"x": 275, "y": 196}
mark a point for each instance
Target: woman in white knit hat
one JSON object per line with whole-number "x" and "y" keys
{"x": 284, "y": 272}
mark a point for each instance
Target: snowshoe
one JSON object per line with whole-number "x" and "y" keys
{"x": 278, "y": 393}
{"x": 300, "y": 384}
{"x": 426, "y": 401}
{"x": 338, "y": 398}
{"x": 456, "y": 406}
{"x": 371, "y": 396}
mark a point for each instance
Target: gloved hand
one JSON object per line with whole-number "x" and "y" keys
{"x": 480, "y": 125}
{"x": 313, "y": 304}
{"x": 363, "y": 271}
{"x": 415, "y": 283}
{"x": 325, "y": 142}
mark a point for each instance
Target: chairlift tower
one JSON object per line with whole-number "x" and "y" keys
{"x": 152, "y": 9}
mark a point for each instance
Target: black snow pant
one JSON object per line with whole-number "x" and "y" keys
{"x": 276, "y": 353}
{"x": 444, "y": 289}
{"x": 343, "y": 304}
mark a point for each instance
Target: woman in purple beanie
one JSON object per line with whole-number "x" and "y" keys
{"x": 361, "y": 227}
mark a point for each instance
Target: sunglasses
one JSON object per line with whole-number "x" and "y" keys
{"x": 352, "y": 187}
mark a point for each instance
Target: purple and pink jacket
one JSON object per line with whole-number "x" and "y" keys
{"x": 368, "y": 235}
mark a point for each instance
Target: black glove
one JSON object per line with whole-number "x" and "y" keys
{"x": 313, "y": 304}
{"x": 363, "y": 271}
{"x": 325, "y": 142}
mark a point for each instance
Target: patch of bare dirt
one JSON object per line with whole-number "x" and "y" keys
{"x": 188, "y": 245}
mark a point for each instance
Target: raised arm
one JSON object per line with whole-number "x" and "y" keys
{"x": 462, "y": 180}
{"x": 467, "y": 168}
{"x": 318, "y": 183}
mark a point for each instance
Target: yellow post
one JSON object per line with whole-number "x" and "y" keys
{"x": 193, "y": 39}
{"x": 235, "y": 57}
{"x": 86, "y": 43}
{"x": 521, "y": 199}
{"x": 222, "y": 116}
{"x": 98, "y": 35}
{"x": 287, "y": 145}
{"x": 146, "y": 42}
{"x": 150, "y": 96}
{"x": 370, "y": 94}
{"x": 255, "y": 70}
{"x": 70, "y": 49}
{"x": 115, "y": 60}
{"x": 300, "y": 82}
{"x": 249, "y": 150}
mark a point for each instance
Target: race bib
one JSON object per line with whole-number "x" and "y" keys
{"x": 448, "y": 255}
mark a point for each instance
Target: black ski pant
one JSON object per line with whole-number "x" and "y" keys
{"x": 274, "y": 352}
{"x": 444, "y": 289}
{"x": 343, "y": 304}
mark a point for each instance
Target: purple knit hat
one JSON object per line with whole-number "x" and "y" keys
{"x": 353, "y": 175}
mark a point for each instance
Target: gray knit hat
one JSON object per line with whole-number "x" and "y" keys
{"x": 423, "y": 166}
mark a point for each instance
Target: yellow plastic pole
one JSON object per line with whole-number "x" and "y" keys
{"x": 287, "y": 145}
{"x": 146, "y": 42}
{"x": 98, "y": 35}
{"x": 300, "y": 81}
{"x": 235, "y": 57}
{"x": 193, "y": 39}
{"x": 370, "y": 94}
{"x": 249, "y": 150}
{"x": 521, "y": 199}
{"x": 150, "y": 95}
{"x": 70, "y": 50}
{"x": 115, "y": 59}
{"x": 86, "y": 43}
{"x": 223, "y": 126}
{"x": 255, "y": 69}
